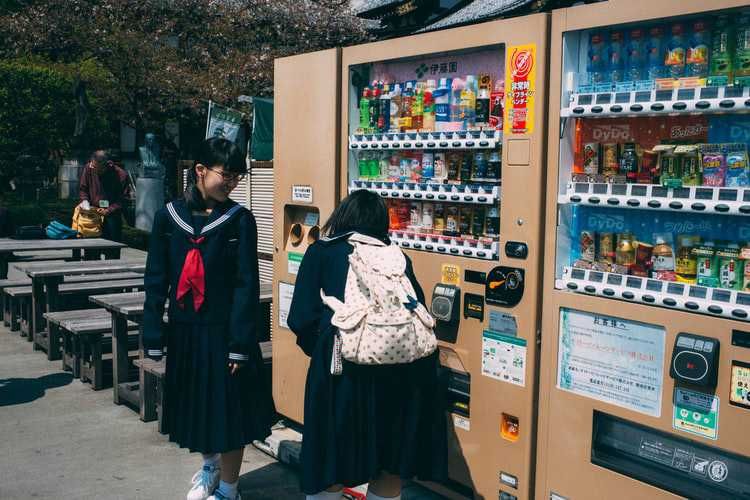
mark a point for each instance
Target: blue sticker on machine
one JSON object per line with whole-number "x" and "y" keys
{"x": 503, "y": 323}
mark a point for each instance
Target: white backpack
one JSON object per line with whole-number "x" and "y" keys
{"x": 380, "y": 322}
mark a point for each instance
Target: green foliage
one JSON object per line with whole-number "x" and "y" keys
{"x": 37, "y": 116}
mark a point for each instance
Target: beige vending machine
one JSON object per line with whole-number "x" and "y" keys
{"x": 450, "y": 127}
{"x": 645, "y": 376}
{"x": 306, "y": 164}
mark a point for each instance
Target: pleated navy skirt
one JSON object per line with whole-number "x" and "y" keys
{"x": 207, "y": 409}
{"x": 371, "y": 419}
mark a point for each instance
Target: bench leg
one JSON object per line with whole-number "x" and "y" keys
{"x": 120, "y": 361}
{"x": 160, "y": 403}
{"x": 97, "y": 364}
{"x": 52, "y": 304}
{"x": 147, "y": 396}
{"x": 6, "y": 309}
{"x": 75, "y": 355}
{"x": 85, "y": 359}
{"x": 25, "y": 315}
{"x": 15, "y": 316}
{"x": 4, "y": 266}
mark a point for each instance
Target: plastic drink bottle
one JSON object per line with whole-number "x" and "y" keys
{"x": 468, "y": 103}
{"x": 374, "y": 109}
{"x": 384, "y": 112}
{"x": 742, "y": 46}
{"x": 596, "y": 65}
{"x": 697, "y": 53}
{"x": 675, "y": 59}
{"x": 428, "y": 115}
{"x": 636, "y": 66}
{"x": 655, "y": 55}
{"x": 722, "y": 44}
{"x": 407, "y": 97}
{"x": 456, "y": 120}
{"x": 615, "y": 57}
{"x": 395, "y": 114}
{"x": 442, "y": 98}
{"x": 364, "y": 110}
{"x": 417, "y": 108}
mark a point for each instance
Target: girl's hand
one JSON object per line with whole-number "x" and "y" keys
{"x": 234, "y": 367}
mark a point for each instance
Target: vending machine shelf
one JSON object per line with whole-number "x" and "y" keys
{"x": 456, "y": 246}
{"x": 730, "y": 304}
{"x": 484, "y": 139}
{"x": 659, "y": 101}
{"x": 693, "y": 199}
{"x": 478, "y": 194}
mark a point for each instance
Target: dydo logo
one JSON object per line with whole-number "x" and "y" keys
{"x": 612, "y": 133}
{"x": 608, "y": 223}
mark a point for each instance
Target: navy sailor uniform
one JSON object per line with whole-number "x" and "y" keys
{"x": 212, "y": 261}
{"x": 370, "y": 418}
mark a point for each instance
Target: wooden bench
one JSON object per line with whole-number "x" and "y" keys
{"x": 5, "y": 302}
{"x": 97, "y": 358}
{"x": 16, "y": 313}
{"x": 75, "y": 329}
{"x": 151, "y": 378}
{"x": 50, "y": 341}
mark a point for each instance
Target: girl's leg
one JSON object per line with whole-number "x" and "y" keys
{"x": 231, "y": 462}
{"x": 385, "y": 486}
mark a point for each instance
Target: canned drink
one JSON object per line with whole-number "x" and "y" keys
{"x": 427, "y": 217}
{"x": 707, "y": 270}
{"x": 405, "y": 168}
{"x": 481, "y": 165}
{"x": 439, "y": 166}
{"x": 428, "y": 166}
{"x": 466, "y": 168}
{"x": 494, "y": 166}
{"x": 415, "y": 214}
{"x": 591, "y": 158}
{"x": 610, "y": 159}
{"x": 587, "y": 242}
{"x": 438, "y": 219}
{"x": 451, "y": 221}
{"x": 464, "y": 221}
{"x": 730, "y": 267}
{"x": 606, "y": 247}
{"x": 404, "y": 217}
{"x": 493, "y": 221}
{"x": 454, "y": 165}
{"x": 478, "y": 221}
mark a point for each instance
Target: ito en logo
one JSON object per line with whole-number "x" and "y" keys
{"x": 522, "y": 63}
{"x": 421, "y": 70}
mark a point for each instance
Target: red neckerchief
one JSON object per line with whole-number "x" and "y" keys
{"x": 193, "y": 276}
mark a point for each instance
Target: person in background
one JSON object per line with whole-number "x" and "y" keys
{"x": 103, "y": 187}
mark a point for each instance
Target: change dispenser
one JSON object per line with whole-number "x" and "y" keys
{"x": 446, "y": 308}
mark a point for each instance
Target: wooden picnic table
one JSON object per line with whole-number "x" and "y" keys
{"x": 76, "y": 246}
{"x": 129, "y": 307}
{"x": 46, "y": 278}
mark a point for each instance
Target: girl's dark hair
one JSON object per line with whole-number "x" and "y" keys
{"x": 211, "y": 153}
{"x": 362, "y": 211}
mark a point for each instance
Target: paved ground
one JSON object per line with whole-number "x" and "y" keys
{"x": 62, "y": 440}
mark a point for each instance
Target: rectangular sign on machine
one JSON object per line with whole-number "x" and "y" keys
{"x": 612, "y": 360}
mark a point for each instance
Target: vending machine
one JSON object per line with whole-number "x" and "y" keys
{"x": 449, "y": 127}
{"x": 306, "y": 163}
{"x": 645, "y": 377}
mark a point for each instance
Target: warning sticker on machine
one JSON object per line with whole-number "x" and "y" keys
{"x": 504, "y": 358}
{"x": 701, "y": 420}
{"x": 461, "y": 422}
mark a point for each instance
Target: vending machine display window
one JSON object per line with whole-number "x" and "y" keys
{"x": 426, "y": 134}
{"x": 654, "y": 177}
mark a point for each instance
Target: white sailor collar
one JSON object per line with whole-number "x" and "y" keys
{"x": 180, "y": 214}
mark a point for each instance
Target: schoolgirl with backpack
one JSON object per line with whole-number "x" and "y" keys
{"x": 374, "y": 410}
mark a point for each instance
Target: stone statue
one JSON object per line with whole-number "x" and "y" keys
{"x": 150, "y": 153}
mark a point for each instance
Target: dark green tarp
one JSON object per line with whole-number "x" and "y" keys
{"x": 262, "y": 143}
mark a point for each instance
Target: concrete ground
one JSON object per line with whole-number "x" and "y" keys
{"x": 62, "y": 440}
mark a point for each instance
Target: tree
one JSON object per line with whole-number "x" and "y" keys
{"x": 165, "y": 58}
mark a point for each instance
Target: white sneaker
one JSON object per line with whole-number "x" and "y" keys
{"x": 204, "y": 483}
